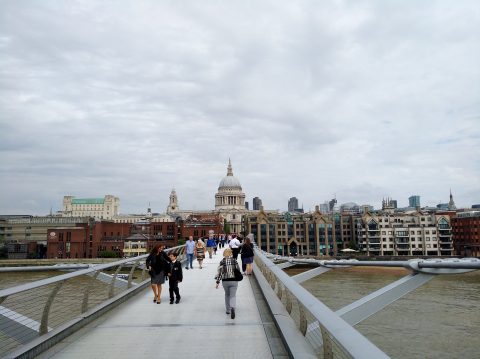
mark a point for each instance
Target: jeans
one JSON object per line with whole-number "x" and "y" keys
{"x": 189, "y": 260}
{"x": 230, "y": 288}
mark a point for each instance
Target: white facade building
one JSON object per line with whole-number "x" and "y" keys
{"x": 102, "y": 208}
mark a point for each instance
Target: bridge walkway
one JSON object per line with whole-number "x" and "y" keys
{"x": 196, "y": 327}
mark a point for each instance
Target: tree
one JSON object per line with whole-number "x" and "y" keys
{"x": 352, "y": 245}
{"x": 107, "y": 254}
{"x": 226, "y": 227}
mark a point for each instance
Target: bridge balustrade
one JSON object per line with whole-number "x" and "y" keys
{"x": 333, "y": 338}
{"x": 35, "y": 316}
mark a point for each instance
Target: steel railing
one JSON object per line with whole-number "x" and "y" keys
{"x": 33, "y": 310}
{"x": 334, "y": 337}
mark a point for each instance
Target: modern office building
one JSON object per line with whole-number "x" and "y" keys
{"x": 257, "y": 203}
{"x": 414, "y": 201}
{"x": 292, "y": 204}
{"x": 101, "y": 208}
{"x": 349, "y": 208}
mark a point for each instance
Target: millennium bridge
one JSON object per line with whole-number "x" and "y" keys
{"x": 107, "y": 311}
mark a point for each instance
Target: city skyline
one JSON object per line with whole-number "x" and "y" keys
{"x": 358, "y": 101}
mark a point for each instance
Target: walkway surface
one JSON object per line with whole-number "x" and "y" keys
{"x": 197, "y": 327}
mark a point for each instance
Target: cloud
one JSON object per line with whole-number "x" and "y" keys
{"x": 364, "y": 100}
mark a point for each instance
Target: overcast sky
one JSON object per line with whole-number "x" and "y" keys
{"x": 358, "y": 99}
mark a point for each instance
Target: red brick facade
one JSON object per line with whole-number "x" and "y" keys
{"x": 466, "y": 235}
{"x": 94, "y": 239}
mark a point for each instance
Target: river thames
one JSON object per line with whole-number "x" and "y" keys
{"x": 441, "y": 319}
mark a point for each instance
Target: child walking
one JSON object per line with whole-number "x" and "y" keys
{"x": 174, "y": 277}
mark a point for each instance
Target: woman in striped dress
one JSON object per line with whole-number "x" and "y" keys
{"x": 200, "y": 252}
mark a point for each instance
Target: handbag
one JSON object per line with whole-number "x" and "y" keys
{"x": 238, "y": 275}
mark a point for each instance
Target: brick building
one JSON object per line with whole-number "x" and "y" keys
{"x": 198, "y": 225}
{"x": 97, "y": 238}
{"x": 466, "y": 234}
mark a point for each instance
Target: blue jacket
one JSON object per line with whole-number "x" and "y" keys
{"x": 211, "y": 242}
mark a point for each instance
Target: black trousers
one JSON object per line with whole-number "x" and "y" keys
{"x": 173, "y": 288}
{"x": 235, "y": 252}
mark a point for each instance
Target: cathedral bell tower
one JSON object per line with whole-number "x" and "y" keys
{"x": 173, "y": 204}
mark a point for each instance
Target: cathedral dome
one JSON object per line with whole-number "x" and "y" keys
{"x": 229, "y": 181}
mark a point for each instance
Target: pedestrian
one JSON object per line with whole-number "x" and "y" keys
{"x": 222, "y": 240}
{"x": 226, "y": 275}
{"x": 190, "y": 249}
{"x": 210, "y": 245}
{"x": 235, "y": 246}
{"x": 158, "y": 265}
{"x": 247, "y": 255}
{"x": 200, "y": 252}
{"x": 215, "y": 247}
{"x": 174, "y": 277}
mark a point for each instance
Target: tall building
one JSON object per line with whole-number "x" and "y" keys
{"x": 102, "y": 208}
{"x": 230, "y": 200}
{"x": 466, "y": 234}
{"x": 350, "y": 207}
{"x": 292, "y": 204}
{"x": 413, "y": 233}
{"x": 257, "y": 203}
{"x": 414, "y": 201}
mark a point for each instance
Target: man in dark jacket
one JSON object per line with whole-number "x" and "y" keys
{"x": 175, "y": 276}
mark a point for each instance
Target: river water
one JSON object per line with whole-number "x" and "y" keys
{"x": 441, "y": 319}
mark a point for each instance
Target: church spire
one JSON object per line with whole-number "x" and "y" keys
{"x": 451, "y": 203}
{"x": 229, "y": 168}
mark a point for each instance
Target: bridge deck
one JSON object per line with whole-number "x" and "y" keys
{"x": 196, "y": 327}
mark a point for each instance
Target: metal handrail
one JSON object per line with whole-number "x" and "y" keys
{"x": 29, "y": 311}
{"x": 94, "y": 268}
{"x": 448, "y": 266}
{"x": 335, "y": 332}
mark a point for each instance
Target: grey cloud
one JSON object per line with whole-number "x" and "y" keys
{"x": 363, "y": 99}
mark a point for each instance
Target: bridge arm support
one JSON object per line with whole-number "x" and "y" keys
{"x": 285, "y": 265}
{"x": 367, "y": 306}
{"x": 312, "y": 273}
